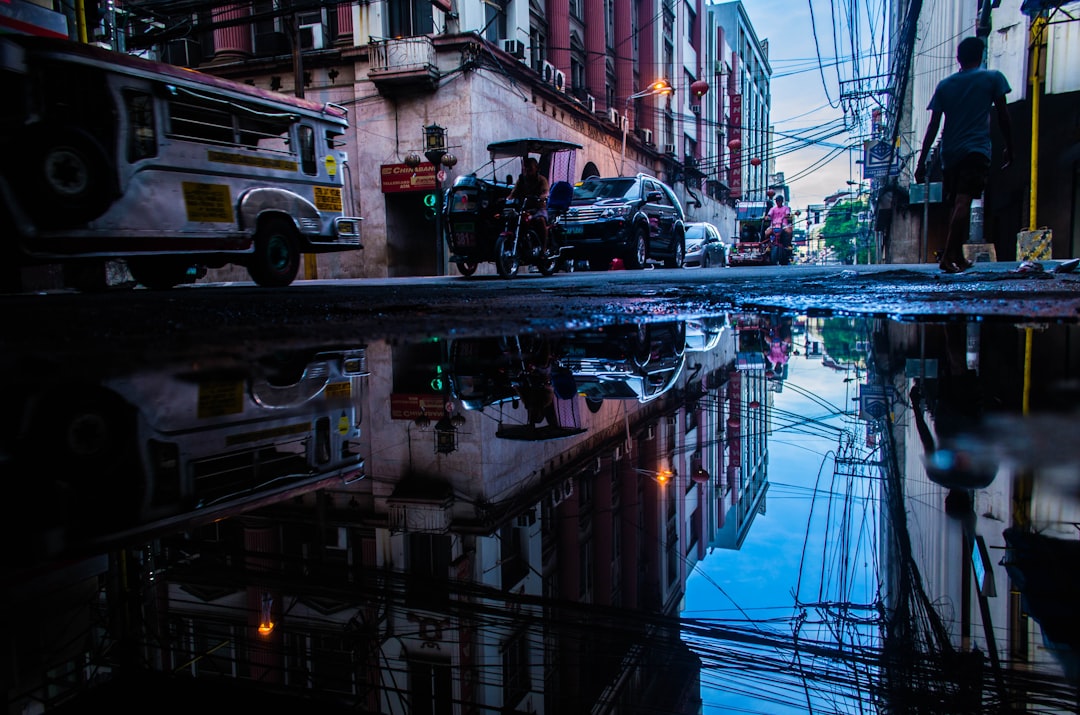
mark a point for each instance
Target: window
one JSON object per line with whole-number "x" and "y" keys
{"x": 513, "y": 556}
{"x": 430, "y": 688}
{"x": 142, "y": 136}
{"x": 264, "y": 132}
{"x": 307, "y": 150}
{"x": 495, "y": 20}
{"x": 409, "y": 18}
{"x": 188, "y": 120}
{"x": 515, "y": 662}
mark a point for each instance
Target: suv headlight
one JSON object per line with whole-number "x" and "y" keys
{"x": 616, "y": 211}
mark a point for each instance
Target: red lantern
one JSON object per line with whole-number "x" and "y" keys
{"x": 733, "y": 422}
{"x": 734, "y": 144}
{"x": 700, "y": 476}
{"x": 699, "y": 87}
{"x": 754, "y": 404}
{"x": 770, "y": 193}
{"x": 755, "y": 162}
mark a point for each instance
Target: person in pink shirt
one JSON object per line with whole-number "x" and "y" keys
{"x": 779, "y": 217}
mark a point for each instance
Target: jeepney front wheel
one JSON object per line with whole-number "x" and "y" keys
{"x": 69, "y": 180}
{"x": 276, "y": 259}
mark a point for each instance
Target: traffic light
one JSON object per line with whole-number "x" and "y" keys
{"x": 430, "y": 199}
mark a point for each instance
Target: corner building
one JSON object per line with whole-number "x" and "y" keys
{"x": 562, "y": 69}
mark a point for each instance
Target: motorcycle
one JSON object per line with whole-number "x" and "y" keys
{"x": 519, "y": 243}
{"x": 475, "y": 209}
{"x": 779, "y": 245}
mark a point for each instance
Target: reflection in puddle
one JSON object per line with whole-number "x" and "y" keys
{"x": 769, "y": 512}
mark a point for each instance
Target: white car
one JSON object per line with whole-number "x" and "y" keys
{"x": 704, "y": 247}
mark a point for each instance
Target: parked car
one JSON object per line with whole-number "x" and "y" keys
{"x": 636, "y": 218}
{"x": 704, "y": 246}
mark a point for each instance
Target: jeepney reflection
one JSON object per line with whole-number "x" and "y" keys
{"x": 98, "y": 456}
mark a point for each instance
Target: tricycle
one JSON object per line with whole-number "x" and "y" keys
{"x": 481, "y": 227}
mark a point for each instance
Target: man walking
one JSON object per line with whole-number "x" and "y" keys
{"x": 965, "y": 99}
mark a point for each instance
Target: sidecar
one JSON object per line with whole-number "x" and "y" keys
{"x": 474, "y": 204}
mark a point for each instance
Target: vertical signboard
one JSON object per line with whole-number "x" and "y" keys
{"x": 735, "y": 171}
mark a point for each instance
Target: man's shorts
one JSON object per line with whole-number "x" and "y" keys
{"x": 967, "y": 176}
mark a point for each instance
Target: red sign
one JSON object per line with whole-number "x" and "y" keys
{"x": 735, "y": 173}
{"x": 397, "y": 178}
{"x": 408, "y": 407}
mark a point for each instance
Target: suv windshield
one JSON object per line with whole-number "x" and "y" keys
{"x": 593, "y": 189}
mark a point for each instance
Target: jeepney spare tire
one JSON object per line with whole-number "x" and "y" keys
{"x": 276, "y": 259}
{"x": 69, "y": 178}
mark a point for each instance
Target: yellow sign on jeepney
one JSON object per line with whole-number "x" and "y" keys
{"x": 327, "y": 198}
{"x": 207, "y": 202}
{"x": 331, "y": 165}
{"x": 217, "y": 399}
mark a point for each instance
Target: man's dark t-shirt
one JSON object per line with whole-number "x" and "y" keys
{"x": 965, "y": 98}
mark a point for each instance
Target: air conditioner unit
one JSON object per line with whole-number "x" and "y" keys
{"x": 515, "y": 48}
{"x": 559, "y": 80}
{"x": 669, "y": 148}
{"x": 547, "y": 72}
{"x": 613, "y": 115}
{"x": 646, "y": 136}
{"x": 312, "y": 37}
{"x": 590, "y": 102}
{"x": 695, "y": 108}
{"x": 562, "y": 492}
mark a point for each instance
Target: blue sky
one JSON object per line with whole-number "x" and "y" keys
{"x": 806, "y": 93}
{"x": 795, "y": 545}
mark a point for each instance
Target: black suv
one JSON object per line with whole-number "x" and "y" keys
{"x": 635, "y": 218}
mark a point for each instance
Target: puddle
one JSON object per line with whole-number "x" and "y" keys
{"x": 748, "y": 511}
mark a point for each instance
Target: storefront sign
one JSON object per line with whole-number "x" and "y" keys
{"x": 397, "y": 178}
{"x": 404, "y": 406}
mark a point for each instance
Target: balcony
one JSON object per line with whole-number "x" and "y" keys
{"x": 404, "y": 66}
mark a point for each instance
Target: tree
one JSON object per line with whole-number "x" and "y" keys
{"x": 843, "y": 230}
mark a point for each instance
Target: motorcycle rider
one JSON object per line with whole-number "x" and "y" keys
{"x": 532, "y": 184}
{"x": 779, "y": 218}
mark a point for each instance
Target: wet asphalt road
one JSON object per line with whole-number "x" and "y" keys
{"x": 224, "y": 317}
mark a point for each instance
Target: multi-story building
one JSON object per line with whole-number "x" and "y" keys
{"x": 749, "y": 102}
{"x": 577, "y": 70}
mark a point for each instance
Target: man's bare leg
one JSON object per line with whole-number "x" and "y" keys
{"x": 952, "y": 258}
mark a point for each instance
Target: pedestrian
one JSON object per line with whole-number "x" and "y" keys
{"x": 780, "y": 229}
{"x": 965, "y": 99}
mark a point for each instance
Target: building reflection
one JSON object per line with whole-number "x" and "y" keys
{"x": 449, "y": 547}
{"x": 541, "y": 573}
{"x": 987, "y": 510}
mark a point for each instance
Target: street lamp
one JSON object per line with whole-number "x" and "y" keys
{"x": 660, "y": 86}
{"x": 435, "y": 151}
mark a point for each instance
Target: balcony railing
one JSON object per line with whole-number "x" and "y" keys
{"x": 407, "y": 64}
